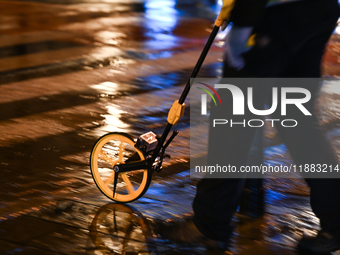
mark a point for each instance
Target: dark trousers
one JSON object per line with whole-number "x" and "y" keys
{"x": 290, "y": 42}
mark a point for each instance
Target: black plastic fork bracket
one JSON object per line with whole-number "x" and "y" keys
{"x": 139, "y": 165}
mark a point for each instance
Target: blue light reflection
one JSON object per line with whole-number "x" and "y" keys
{"x": 161, "y": 19}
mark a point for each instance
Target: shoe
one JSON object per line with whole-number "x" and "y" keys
{"x": 323, "y": 243}
{"x": 186, "y": 233}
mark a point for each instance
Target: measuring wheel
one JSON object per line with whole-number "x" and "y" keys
{"x": 118, "y": 164}
{"x": 110, "y": 150}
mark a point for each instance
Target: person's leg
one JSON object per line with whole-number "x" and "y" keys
{"x": 217, "y": 200}
{"x": 214, "y": 205}
{"x": 303, "y": 50}
{"x": 307, "y": 142}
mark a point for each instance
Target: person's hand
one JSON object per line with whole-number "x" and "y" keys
{"x": 237, "y": 43}
{"x": 222, "y": 19}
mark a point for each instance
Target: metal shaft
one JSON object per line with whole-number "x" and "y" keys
{"x": 199, "y": 63}
{"x": 187, "y": 88}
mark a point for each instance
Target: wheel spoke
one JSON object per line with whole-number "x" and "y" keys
{"x": 116, "y": 149}
{"x": 103, "y": 155}
{"x": 110, "y": 179}
{"x": 129, "y": 185}
{"x": 121, "y": 150}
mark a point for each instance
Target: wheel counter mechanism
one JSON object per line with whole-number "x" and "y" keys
{"x": 121, "y": 166}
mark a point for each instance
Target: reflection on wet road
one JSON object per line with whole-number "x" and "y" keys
{"x": 73, "y": 70}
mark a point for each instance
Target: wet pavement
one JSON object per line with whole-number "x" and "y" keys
{"x": 71, "y": 71}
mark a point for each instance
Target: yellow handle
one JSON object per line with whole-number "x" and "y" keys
{"x": 176, "y": 112}
{"x": 218, "y": 22}
{"x": 227, "y": 6}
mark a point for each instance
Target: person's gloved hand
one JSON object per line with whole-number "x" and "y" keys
{"x": 237, "y": 43}
{"x": 224, "y": 15}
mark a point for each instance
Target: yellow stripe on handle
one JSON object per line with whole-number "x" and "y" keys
{"x": 176, "y": 112}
